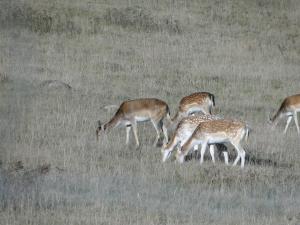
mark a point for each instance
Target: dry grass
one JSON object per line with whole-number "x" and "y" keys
{"x": 245, "y": 52}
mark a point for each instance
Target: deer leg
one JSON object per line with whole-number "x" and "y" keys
{"x": 134, "y": 129}
{"x": 289, "y": 119}
{"x": 156, "y": 126}
{"x": 203, "y": 148}
{"x": 128, "y": 128}
{"x": 223, "y": 150}
{"x": 242, "y": 157}
{"x": 212, "y": 152}
{"x": 165, "y": 132}
{"x": 296, "y": 122}
{"x": 237, "y": 159}
{"x": 195, "y": 149}
{"x": 241, "y": 154}
{"x": 225, "y": 154}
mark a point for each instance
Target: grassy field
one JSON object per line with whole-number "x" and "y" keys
{"x": 53, "y": 171}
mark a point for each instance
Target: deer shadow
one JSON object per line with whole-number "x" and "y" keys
{"x": 249, "y": 158}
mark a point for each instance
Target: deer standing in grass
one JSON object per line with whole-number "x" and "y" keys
{"x": 289, "y": 107}
{"x": 196, "y": 102}
{"x": 184, "y": 131}
{"x": 139, "y": 110}
{"x": 213, "y": 132}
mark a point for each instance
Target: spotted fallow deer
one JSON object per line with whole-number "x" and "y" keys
{"x": 196, "y": 102}
{"x": 217, "y": 131}
{"x": 139, "y": 110}
{"x": 289, "y": 107}
{"x": 184, "y": 131}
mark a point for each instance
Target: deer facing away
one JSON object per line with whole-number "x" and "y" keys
{"x": 196, "y": 102}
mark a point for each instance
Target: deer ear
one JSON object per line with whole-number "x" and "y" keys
{"x": 99, "y": 123}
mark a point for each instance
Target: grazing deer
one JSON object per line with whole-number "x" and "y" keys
{"x": 217, "y": 131}
{"x": 184, "y": 131}
{"x": 139, "y": 110}
{"x": 196, "y": 102}
{"x": 289, "y": 107}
